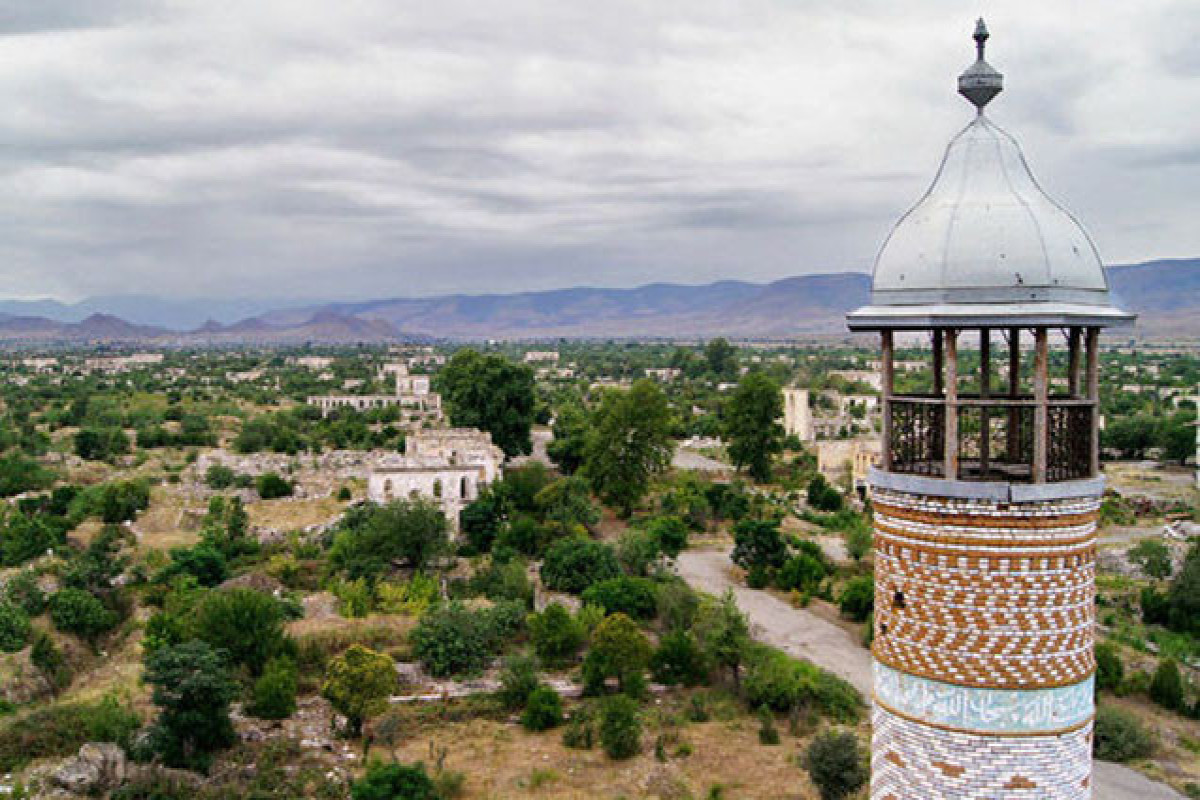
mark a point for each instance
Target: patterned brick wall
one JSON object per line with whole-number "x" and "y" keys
{"x": 984, "y": 616}
{"x": 910, "y": 761}
{"x": 985, "y": 594}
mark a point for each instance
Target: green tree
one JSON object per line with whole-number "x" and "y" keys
{"x": 358, "y": 683}
{"x": 1183, "y": 596}
{"x": 725, "y": 634}
{"x": 629, "y": 443}
{"x": 493, "y": 394}
{"x": 26, "y": 536}
{"x": 568, "y": 446}
{"x": 412, "y": 531}
{"x": 246, "y": 624}
{"x": 1153, "y": 557}
{"x": 836, "y": 764}
{"x": 518, "y": 679}
{"x": 275, "y": 692}
{"x": 857, "y": 599}
{"x": 101, "y": 444}
{"x": 619, "y": 649}
{"x": 20, "y": 474}
{"x": 574, "y": 564}
{"x": 543, "y": 710}
{"x": 1166, "y": 687}
{"x": 679, "y": 660}
{"x": 758, "y": 543}
{"x": 751, "y": 425}
{"x": 192, "y": 690}
{"x": 270, "y": 486}
{"x": 14, "y": 627}
{"x": 721, "y": 358}
{"x": 567, "y": 507}
{"x": 1118, "y": 735}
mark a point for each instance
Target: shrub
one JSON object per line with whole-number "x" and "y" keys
{"x": 14, "y": 627}
{"x": 639, "y": 553}
{"x": 1109, "y": 669}
{"x": 219, "y": 476}
{"x": 344, "y": 495}
{"x": 574, "y": 564}
{"x": 620, "y": 728}
{"x": 354, "y": 597}
{"x": 671, "y": 533}
{"x": 1119, "y": 736}
{"x": 374, "y": 537}
{"x": 557, "y": 636}
{"x": 204, "y": 562}
{"x": 822, "y": 496}
{"x": 635, "y": 597}
{"x": 508, "y": 581}
{"x": 23, "y": 591}
{"x": 49, "y": 660}
{"x": 79, "y": 612}
{"x": 275, "y": 692}
{"x": 758, "y": 543}
{"x": 246, "y": 624}
{"x": 414, "y": 596}
{"x": 678, "y": 605}
{"x": 767, "y": 733}
{"x": 580, "y": 733}
{"x": 518, "y": 679}
{"x": 543, "y": 710}
{"x": 1166, "y": 688}
{"x": 783, "y": 683}
{"x": 394, "y": 782}
{"x": 679, "y": 660}
{"x": 453, "y": 641}
{"x": 803, "y": 572}
{"x": 857, "y": 599}
{"x": 835, "y": 764}
{"x": 269, "y": 486}
{"x": 1156, "y": 606}
{"x": 358, "y": 683}
{"x": 192, "y": 690}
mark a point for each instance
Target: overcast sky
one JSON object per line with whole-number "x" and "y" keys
{"x": 356, "y": 149}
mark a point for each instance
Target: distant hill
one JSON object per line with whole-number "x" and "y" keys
{"x": 1166, "y": 295}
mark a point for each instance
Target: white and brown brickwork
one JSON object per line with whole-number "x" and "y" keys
{"x": 983, "y": 646}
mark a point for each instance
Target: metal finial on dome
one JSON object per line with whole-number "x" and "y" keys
{"x": 980, "y": 83}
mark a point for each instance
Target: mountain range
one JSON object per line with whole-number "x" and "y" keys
{"x": 1165, "y": 293}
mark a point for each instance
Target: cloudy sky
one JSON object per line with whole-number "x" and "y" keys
{"x": 354, "y": 149}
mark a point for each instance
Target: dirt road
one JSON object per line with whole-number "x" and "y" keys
{"x": 805, "y": 635}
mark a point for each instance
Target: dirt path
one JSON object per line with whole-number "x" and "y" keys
{"x": 802, "y": 634}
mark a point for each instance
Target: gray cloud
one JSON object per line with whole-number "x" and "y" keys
{"x": 368, "y": 148}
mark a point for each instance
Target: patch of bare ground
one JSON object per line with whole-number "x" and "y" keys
{"x": 287, "y": 514}
{"x": 501, "y": 760}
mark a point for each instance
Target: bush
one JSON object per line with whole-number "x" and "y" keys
{"x": 1119, "y": 736}
{"x": 671, "y": 533}
{"x": 857, "y": 600}
{"x": 1166, "y": 688}
{"x": 783, "y": 683}
{"x": 557, "y": 636}
{"x": 454, "y": 641}
{"x": 835, "y": 764}
{"x": 79, "y": 612}
{"x": 394, "y": 782}
{"x": 679, "y": 660}
{"x": 1109, "y": 669}
{"x": 14, "y": 627}
{"x": 275, "y": 692}
{"x": 581, "y": 730}
{"x": 822, "y": 496}
{"x": 574, "y": 564}
{"x": 518, "y": 679}
{"x": 802, "y": 572}
{"x": 758, "y": 543}
{"x": 204, "y": 562}
{"x": 635, "y": 597}
{"x": 620, "y": 728}
{"x": 192, "y": 690}
{"x": 543, "y": 710}
{"x": 23, "y": 591}
{"x": 246, "y": 624}
{"x": 767, "y": 732}
{"x": 619, "y": 649}
{"x": 50, "y": 660}
{"x": 219, "y": 476}
{"x": 269, "y": 486}
{"x": 1156, "y": 606}
{"x": 374, "y": 537}
{"x": 414, "y": 596}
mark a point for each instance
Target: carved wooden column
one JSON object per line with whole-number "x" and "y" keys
{"x": 1014, "y": 390}
{"x": 887, "y": 368}
{"x": 1073, "y": 338}
{"x": 950, "y": 460}
{"x": 1041, "y": 386}
{"x": 1093, "y": 394}
{"x": 985, "y": 391}
{"x": 938, "y": 368}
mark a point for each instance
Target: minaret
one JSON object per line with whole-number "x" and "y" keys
{"x": 987, "y": 496}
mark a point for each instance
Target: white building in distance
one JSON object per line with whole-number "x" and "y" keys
{"x": 413, "y": 395}
{"x": 797, "y": 416}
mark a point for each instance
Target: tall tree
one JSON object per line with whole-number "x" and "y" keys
{"x": 493, "y": 394}
{"x": 751, "y": 424}
{"x": 721, "y": 357}
{"x": 629, "y": 443}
